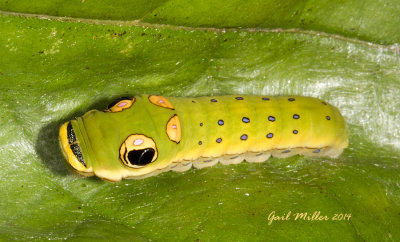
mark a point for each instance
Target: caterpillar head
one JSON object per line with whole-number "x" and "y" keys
{"x": 134, "y": 137}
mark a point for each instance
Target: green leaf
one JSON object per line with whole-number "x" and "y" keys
{"x": 59, "y": 59}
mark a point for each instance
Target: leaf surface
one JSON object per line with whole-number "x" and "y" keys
{"x": 54, "y": 68}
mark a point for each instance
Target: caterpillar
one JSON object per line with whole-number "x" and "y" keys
{"x": 142, "y": 136}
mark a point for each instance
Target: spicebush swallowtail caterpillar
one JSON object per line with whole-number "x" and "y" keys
{"x": 142, "y": 136}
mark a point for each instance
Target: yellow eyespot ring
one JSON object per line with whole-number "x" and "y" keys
{"x": 173, "y": 129}
{"x": 160, "y": 101}
{"x": 138, "y": 151}
{"x": 121, "y": 105}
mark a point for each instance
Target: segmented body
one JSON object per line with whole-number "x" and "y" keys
{"x": 185, "y": 132}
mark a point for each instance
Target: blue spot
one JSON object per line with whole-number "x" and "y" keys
{"x": 214, "y": 100}
{"x": 270, "y": 135}
{"x": 245, "y": 120}
{"x": 238, "y": 98}
{"x": 219, "y": 140}
{"x": 295, "y": 132}
{"x": 221, "y": 122}
{"x": 234, "y": 157}
{"x": 291, "y": 99}
{"x": 265, "y": 99}
{"x": 259, "y": 154}
{"x": 271, "y": 118}
{"x": 286, "y": 151}
{"x": 316, "y": 151}
{"x": 296, "y": 116}
{"x": 201, "y": 124}
{"x": 208, "y": 160}
{"x": 187, "y": 164}
{"x": 200, "y": 143}
{"x": 328, "y": 118}
{"x": 243, "y": 137}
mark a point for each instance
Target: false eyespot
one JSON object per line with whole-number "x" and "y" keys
{"x": 120, "y": 104}
{"x": 138, "y": 150}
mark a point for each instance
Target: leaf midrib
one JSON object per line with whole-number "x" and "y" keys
{"x": 140, "y": 23}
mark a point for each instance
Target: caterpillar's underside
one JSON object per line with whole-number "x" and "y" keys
{"x": 252, "y": 157}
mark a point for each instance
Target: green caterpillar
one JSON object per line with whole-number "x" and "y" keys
{"x": 146, "y": 135}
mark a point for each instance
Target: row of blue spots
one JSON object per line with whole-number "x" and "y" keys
{"x": 270, "y": 135}
{"x": 263, "y": 98}
{"x": 270, "y": 118}
{"x": 219, "y": 140}
{"x": 295, "y": 116}
{"x": 291, "y": 99}
{"x": 273, "y": 119}
{"x": 221, "y": 122}
{"x": 245, "y": 137}
{"x": 237, "y": 98}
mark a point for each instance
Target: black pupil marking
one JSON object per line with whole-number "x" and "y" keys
{"x": 291, "y": 99}
{"x": 295, "y": 131}
{"x": 76, "y": 150}
{"x": 141, "y": 157}
{"x": 118, "y": 100}
{"x": 296, "y": 116}
{"x": 239, "y": 98}
{"x": 220, "y": 122}
{"x": 243, "y": 137}
{"x": 265, "y": 99}
{"x": 213, "y": 100}
{"x": 270, "y": 135}
{"x": 71, "y": 133}
{"x": 219, "y": 140}
{"x": 193, "y": 101}
{"x": 271, "y": 118}
{"x": 245, "y": 120}
{"x": 78, "y": 153}
{"x": 328, "y": 118}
